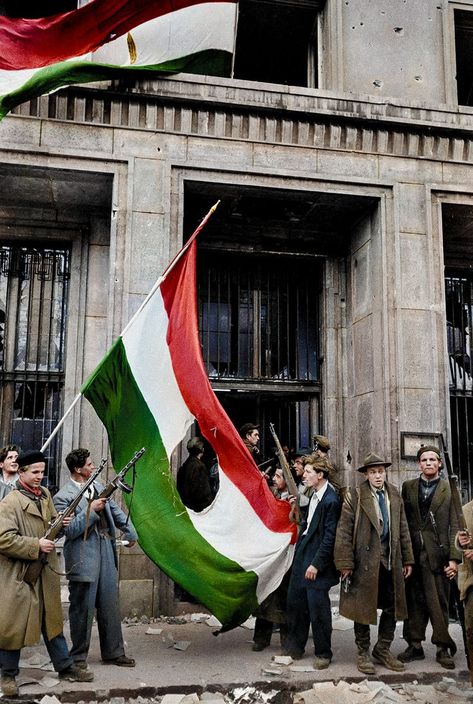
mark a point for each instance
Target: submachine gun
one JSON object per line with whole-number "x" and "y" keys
{"x": 118, "y": 481}
{"x": 35, "y": 567}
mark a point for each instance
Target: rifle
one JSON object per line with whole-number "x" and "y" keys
{"x": 457, "y": 505}
{"x": 118, "y": 482}
{"x": 35, "y": 567}
{"x": 286, "y": 470}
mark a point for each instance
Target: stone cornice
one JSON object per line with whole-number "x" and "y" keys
{"x": 264, "y": 113}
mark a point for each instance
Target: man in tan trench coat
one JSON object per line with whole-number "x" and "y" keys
{"x": 373, "y": 552}
{"x": 29, "y": 611}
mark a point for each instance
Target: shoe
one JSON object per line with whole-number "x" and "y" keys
{"x": 321, "y": 663}
{"x": 294, "y": 656}
{"x": 444, "y": 659}
{"x": 257, "y": 647}
{"x": 121, "y": 661}
{"x": 81, "y": 664}
{"x": 411, "y": 653}
{"x": 9, "y": 686}
{"x": 364, "y": 664}
{"x": 386, "y": 658}
{"x": 76, "y": 674}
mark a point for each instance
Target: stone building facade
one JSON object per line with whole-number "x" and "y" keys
{"x": 335, "y": 277}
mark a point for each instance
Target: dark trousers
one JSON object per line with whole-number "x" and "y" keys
{"x": 57, "y": 649}
{"x": 102, "y": 596}
{"x": 308, "y": 605}
{"x": 427, "y": 595}
{"x": 264, "y": 630}
{"x": 387, "y": 621}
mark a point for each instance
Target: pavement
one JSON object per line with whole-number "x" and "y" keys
{"x": 182, "y": 654}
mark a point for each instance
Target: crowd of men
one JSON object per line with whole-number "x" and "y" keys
{"x": 396, "y": 552}
{"x": 390, "y": 550}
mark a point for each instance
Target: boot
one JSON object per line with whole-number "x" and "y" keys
{"x": 9, "y": 686}
{"x": 364, "y": 663}
{"x": 444, "y": 658}
{"x": 414, "y": 651}
{"x": 382, "y": 654}
{"x": 76, "y": 674}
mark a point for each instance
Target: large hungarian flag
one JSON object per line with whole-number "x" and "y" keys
{"x": 148, "y": 391}
{"x": 107, "y": 39}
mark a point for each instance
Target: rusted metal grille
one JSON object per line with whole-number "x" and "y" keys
{"x": 258, "y": 319}
{"x": 34, "y": 284}
{"x": 459, "y": 315}
{"x": 259, "y": 330}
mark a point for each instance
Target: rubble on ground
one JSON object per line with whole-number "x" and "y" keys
{"x": 445, "y": 691}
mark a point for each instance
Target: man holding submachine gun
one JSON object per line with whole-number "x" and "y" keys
{"x": 91, "y": 559}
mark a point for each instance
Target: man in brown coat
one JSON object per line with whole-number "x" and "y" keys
{"x": 433, "y": 526}
{"x": 29, "y": 611}
{"x": 373, "y": 552}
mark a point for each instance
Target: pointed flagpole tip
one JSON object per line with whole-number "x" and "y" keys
{"x": 214, "y": 207}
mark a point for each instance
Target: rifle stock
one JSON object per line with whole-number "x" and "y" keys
{"x": 35, "y": 567}
{"x": 286, "y": 470}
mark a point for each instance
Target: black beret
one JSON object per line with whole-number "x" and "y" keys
{"x": 30, "y": 457}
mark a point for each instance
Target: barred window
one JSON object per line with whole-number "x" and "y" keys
{"x": 34, "y": 285}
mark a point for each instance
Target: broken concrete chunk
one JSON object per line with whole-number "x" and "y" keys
{"x": 273, "y": 671}
{"x": 172, "y": 698}
{"x": 153, "y": 631}
{"x": 213, "y": 622}
{"x": 47, "y": 682}
{"x": 181, "y": 644}
{"x": 49, "y": 699}
{"x": 282, "y": 659}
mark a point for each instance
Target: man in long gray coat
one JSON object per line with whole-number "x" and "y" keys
{"x": 373, "y": 552}
{"x": 91, "y": 565}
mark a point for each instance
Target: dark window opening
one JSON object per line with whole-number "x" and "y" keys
{"x": 277, "y": 41}
{"x": 34, "y": 285}
{"x": 464, "y": 55}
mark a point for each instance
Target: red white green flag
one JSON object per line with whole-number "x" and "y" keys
{"x": 148, "y": 391}
{"x": 107, "y": 39}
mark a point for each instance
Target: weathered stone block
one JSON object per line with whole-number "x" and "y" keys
{"x": 414, "y": 291}
{"x": 411, "y": 206}
{"x": 136, "y": 597}
{"x": 149, "y": 185}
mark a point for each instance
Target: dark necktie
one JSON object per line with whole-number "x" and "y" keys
{"x": 384, "y": 513}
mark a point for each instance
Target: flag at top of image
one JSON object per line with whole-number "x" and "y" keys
{"x": 108, "y": 39}
{"x": 148, "y": 391}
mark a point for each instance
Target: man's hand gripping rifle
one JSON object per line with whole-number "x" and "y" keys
{"x": 286, "y": 470}
{"x": 35, "y": 567}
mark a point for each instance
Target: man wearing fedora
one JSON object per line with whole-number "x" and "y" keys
{"x": 373, "y": 552}
{"x": 433, "y": 525}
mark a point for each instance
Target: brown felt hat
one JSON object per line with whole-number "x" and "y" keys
{"x": 373, "y": 460}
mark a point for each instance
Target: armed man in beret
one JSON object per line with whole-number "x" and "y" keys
{"x": 30, "y": 610}
{"x": 373, "y": 552}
